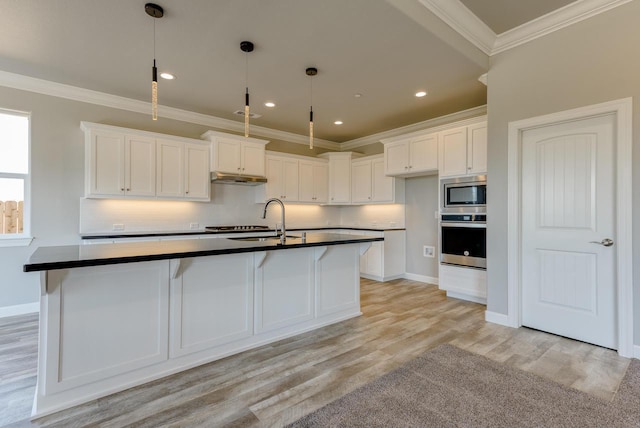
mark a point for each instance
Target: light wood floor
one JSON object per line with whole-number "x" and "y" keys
{"x": 278, "y": 383}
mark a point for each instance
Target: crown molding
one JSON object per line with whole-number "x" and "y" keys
{"x": 442, "y": 121}
{"x": 457, "y": 16}
{"x": 553, "y": 21}
{"x": 460, "y": 18}
{"x": 60, "y": 90}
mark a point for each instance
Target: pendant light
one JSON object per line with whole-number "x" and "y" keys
{"x": 246, "y": 47}
{"x": 154, "y": 11}
{"x": 311, "y": 71}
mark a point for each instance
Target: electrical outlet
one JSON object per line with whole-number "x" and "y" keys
{"x": 194, "y": 226}
{"x": 118, "y": 226}
{"x": 428, "y": 251}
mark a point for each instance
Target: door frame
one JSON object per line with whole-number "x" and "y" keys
{"x": 622, "y": 110}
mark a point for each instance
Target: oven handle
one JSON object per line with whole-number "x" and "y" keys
{"x": 469, "y": 224}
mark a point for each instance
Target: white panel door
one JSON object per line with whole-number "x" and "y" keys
{"x": 396, "y": 156}
{"x": 568, "y": 205}
{"x": 252, "y": 159}
{"x": 107, "y": 164}
{"x": 197, "y": 182}
{"x": 170, "y": 168}
{"x": 382, "y": 186}
{"x": 361, "y": 181}
{"x": 453, "y": 152}
{"x": 140, "y": 166}
{"x": 423, "y": 153}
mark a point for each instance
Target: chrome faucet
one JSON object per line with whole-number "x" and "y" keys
{"x": 283, "y": 236}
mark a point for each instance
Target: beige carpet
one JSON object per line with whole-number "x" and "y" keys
{"x": 449, "y": 387}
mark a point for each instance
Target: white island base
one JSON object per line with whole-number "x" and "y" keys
{"x": 104, "y": 329}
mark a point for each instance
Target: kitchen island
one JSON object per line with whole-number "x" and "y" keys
{"x": 114, "y": 316}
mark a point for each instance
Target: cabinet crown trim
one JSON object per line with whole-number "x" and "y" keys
{"x": 212, "y": 135}
{"x": 90, "y": 126}
{"x": 427, "y": 131}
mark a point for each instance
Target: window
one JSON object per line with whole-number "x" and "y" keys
{"x": 14, "y": 177}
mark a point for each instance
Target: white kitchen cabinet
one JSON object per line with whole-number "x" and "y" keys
{"x": 119, "y": 165}
{"x": 411, "y": 156}
{"x": 235, "y": 154}
{"x": 314, "y": 181}
{"x": 339, "y": 176}
{"x": 128, "y": 163}
{"x": 182, "y": 170}
{"x": 385, "y": 260}
{"x": 282, "y": 178}
{"x": 196, "y": 172}
{"x": 463, "y": 150}
{"x": 463, "y": 283}
{"x": 371, "y": 185}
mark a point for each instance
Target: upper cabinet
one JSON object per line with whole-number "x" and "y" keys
{"x": 371, "y": 185}
{"x": 314, "y": 181}
{"x": 339, "y": 176}
{"x": 463, "y": 150}
{"x": 411, "y": 156}
{"x": 282, "y": 178}
{"x": 235, "y": 154}
{"x": 127, "y": 163}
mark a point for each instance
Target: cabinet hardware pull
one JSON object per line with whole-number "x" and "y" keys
{"x": 122, "y": 189}
{"x": 128, "y": 190}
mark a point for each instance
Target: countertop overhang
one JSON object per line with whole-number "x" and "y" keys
{"x": 75, "y": 256}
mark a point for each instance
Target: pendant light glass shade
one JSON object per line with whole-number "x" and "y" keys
{"x": 154, "y": 11}
{"x": 311, "y": 71}
{"x": 246, "y": 47}
{"x": 154, "y": 91}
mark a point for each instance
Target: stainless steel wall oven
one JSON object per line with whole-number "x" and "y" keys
{"x": 464, "y": 240}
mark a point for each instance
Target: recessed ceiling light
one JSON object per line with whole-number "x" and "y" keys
{"x": 167, "y": 76}
{"x": 270, "y": 104}
{"x": 358, "y": 95}
{"x": 338, "y": 122}
{"x": 421, "y": 94}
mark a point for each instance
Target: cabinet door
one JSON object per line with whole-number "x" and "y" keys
{"x": 290, "y": 180}
{"x": 106, "y": 175}
{"x": 321, "y": 183}
{"x": 252, "y": 159}
{"x": 396, "y": 157}
{"x": 140, "y": 166}
{"x": 361, "y": 181}
{"x": 306, "y": 182}
{"x": 197, "y": 180}
{"x": 227, "y": 156}
{"x": 340, "y": 181}
{"x": 453, "y": 159}
{"x": 374, "y": 259}
{"x": 170, "y": 168}
{"x": 477, "y": 149}
{"x": 382, "y": 186}
{"x": 423, "y": 153}
{"x": 275, "y": 177}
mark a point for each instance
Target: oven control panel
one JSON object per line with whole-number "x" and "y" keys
{"x": 464, "y": 217}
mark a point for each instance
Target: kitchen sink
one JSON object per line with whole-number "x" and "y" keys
{"x": 264, "y": 238}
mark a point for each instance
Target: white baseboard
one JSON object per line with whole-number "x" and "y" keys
{"x": 497, "y": 318}
{"x": 421, "y": 278}
{"x": 467, "y": 297}
{"x": 636, "y": 351}
{"x": 27, "y": 308}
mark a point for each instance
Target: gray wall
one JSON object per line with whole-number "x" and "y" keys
{"x": 587, "y": 63}
{"x": 421, "y": 224}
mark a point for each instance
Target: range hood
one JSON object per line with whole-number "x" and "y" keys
{"x": 246, "y": 180}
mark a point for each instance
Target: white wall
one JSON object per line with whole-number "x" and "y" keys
{"x": 587, "y": 63}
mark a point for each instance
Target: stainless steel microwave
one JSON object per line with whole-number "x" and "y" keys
{"x": 464, "y": 194}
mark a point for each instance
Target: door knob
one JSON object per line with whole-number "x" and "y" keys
{"x": 606, "y": 242}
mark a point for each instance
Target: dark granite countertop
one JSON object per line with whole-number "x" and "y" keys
{"x": 73, "y": 256}
{"x": 119, "y": 235}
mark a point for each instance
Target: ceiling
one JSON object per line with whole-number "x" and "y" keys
{"x": 385, "y": 50}
{"x": 504, "y": 15}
